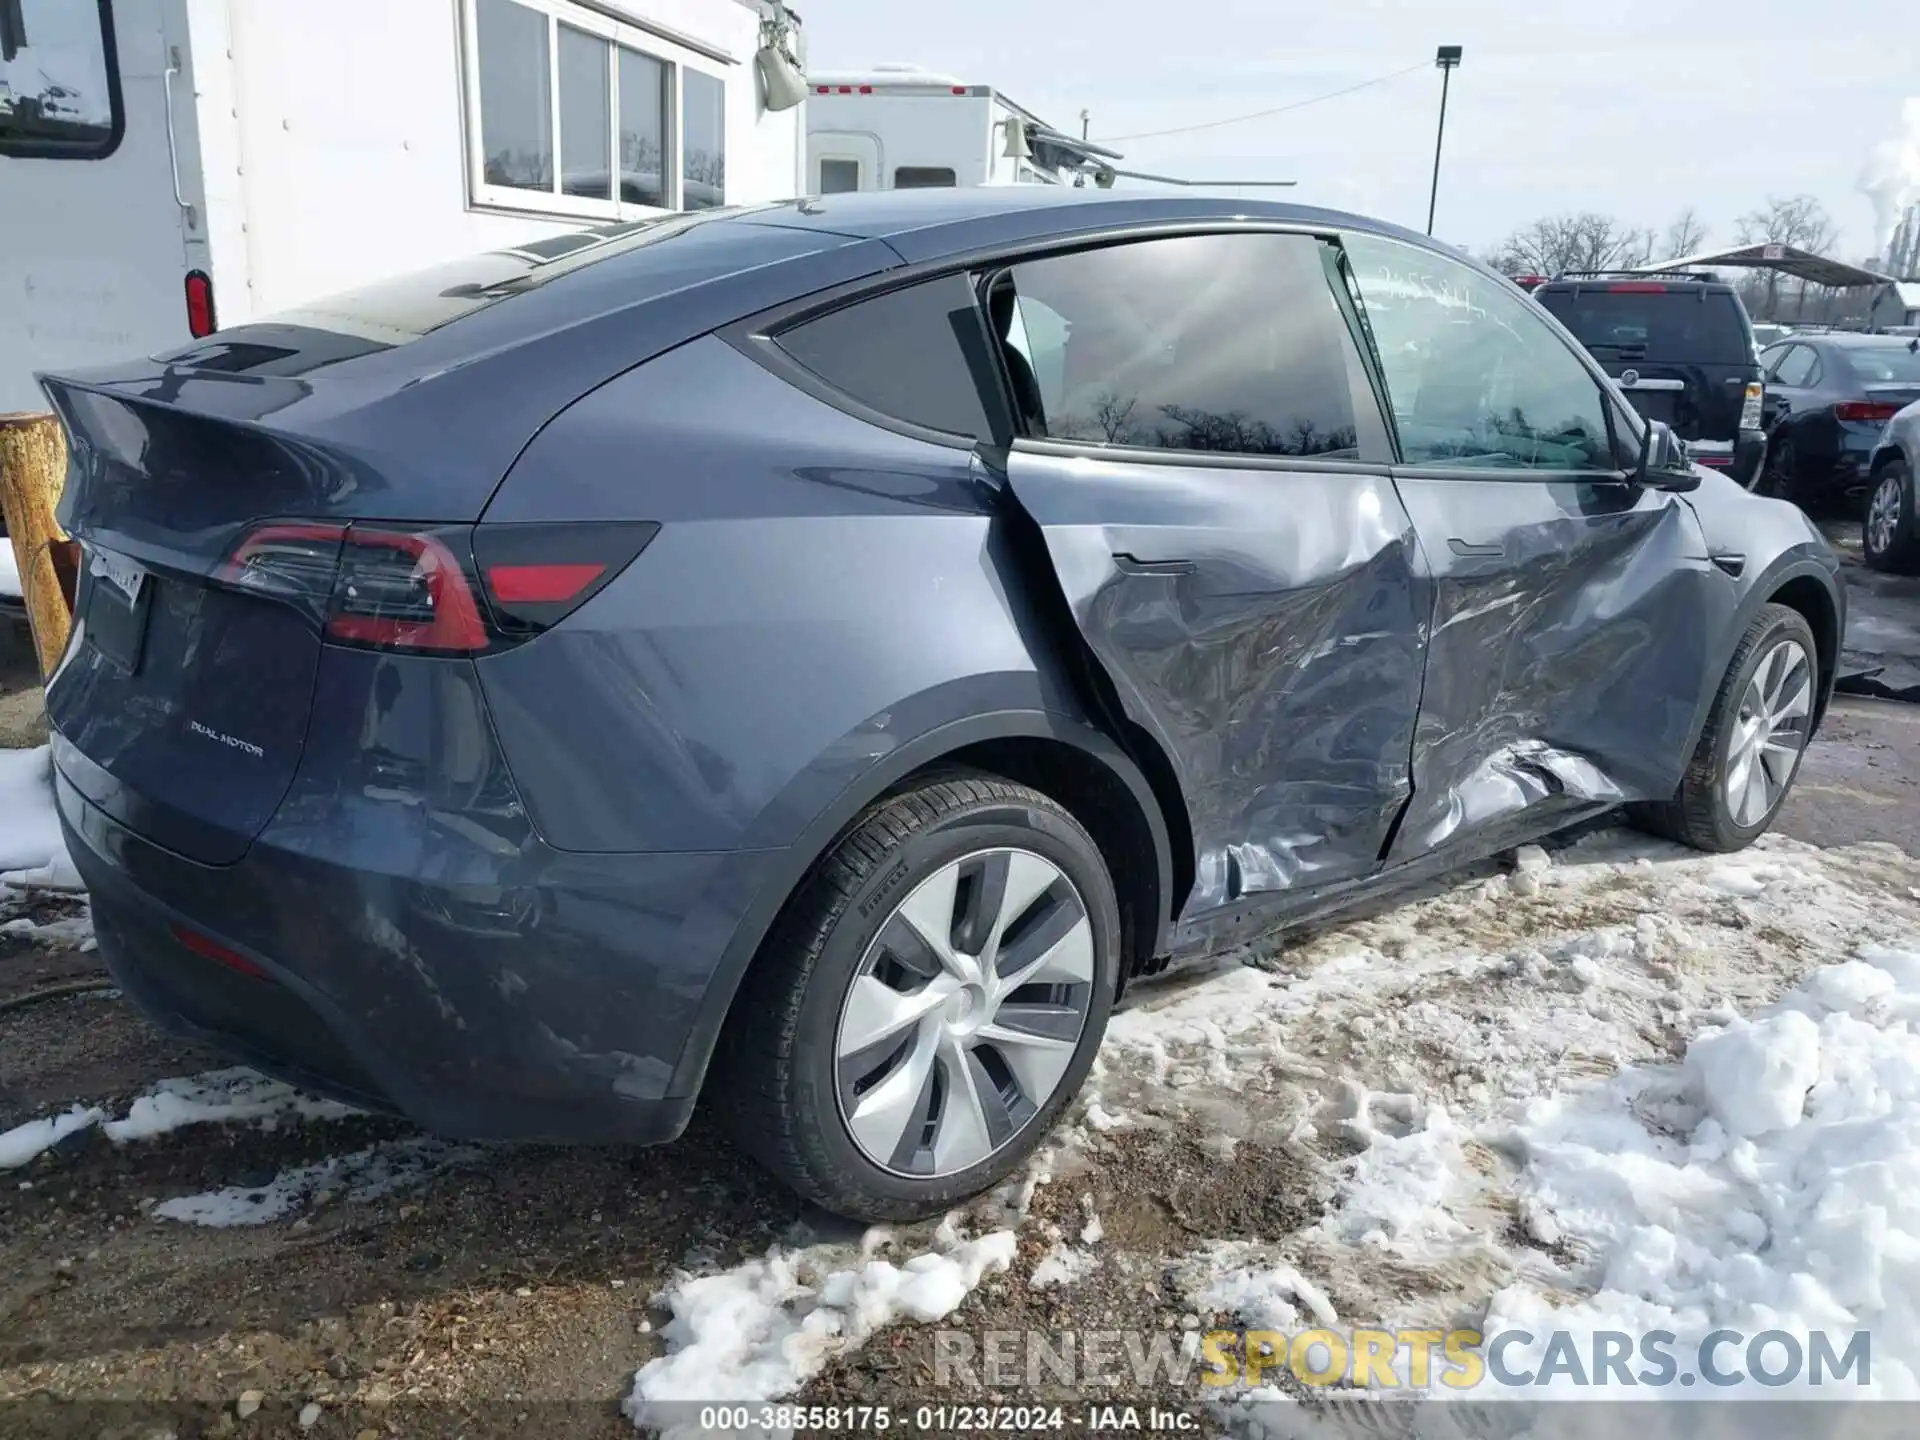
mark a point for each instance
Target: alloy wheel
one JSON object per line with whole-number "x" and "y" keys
{"x": 965, "y": 1013}
{"x": 1770, "y": 733}
{"x": 1883, "y": 515}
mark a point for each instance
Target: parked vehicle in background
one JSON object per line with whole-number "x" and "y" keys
{"x": 208, "y": 162}
{"x": 1765, "y": 334}
{"x": 1829, "y": 398}
{"x": 815, "y": 655}
{"x": 1890, "y": 532}
{"x": 899, "y": 127}
{"x": 1682, "y": 349}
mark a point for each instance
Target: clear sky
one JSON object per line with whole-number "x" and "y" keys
{"x": 1636, "y": 108}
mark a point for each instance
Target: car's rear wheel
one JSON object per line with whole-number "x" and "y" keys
{"x": 1750, "y": 751}
{"x": 1890, "y": 535}
{"x": 929, "y": 1002}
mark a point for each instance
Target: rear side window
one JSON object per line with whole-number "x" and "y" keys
{"x": 1224, "y": 343}
{"x": 1796, "y": 367}
{"x": 1889, "y": 364}
{"x": 59, "y": 80}
{"x": 1680, "y": 323}
{"x": 916, "y": 354}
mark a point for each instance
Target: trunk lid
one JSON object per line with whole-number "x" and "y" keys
{"x": 181, "y": 705}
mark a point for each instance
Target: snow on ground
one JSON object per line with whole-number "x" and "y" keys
{"x": 217, "y": 1097}
{"x": 9, "y": 573}
{"x": 355, "y": 1178}
{"x": 32, "y": 850}
{"x": 763, "y": 1328}
{"x": 1770, "y": 1181}
{"x": 1754, "y": 1174}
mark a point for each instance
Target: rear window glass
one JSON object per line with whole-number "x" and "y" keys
{"x": 1876, "y": 365}
{"x": 1676, "y": 324}
{"x": 59, "y": 81}
{"x": 905, "y": 354}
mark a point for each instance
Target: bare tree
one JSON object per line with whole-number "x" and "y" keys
{"x": 1685, "y": 235}
{"x": 1800, "y": 221}
{"x": 1584, "y": 241}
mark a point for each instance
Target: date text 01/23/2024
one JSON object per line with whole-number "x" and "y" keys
{"x": 1002, "y": 1419}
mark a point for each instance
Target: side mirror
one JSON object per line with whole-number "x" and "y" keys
{"x": 1664, "y": 462}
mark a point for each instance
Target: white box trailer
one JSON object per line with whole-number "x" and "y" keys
{"x": 898, "y": 127}
{"x": 167, "y": 163}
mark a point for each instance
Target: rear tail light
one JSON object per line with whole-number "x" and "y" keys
{"x": 537, "y": 575}
{"x": 1865, "y": 410}
{"x": 403, "y": 590}
{"x": 1750, "y": 406}
{"x": 420, "y": 590}
{"x": 201, "y": 321}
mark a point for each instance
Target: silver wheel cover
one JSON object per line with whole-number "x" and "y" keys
{"x": 965, "y": 1013}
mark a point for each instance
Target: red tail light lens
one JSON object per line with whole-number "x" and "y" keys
{"x": 1867, "y": 410}
{"x": 391, "y": 589}
{"x": 403, "y": 590}
{"x": 537, "y": 575}
{"x": 201, "y": 321}
{"x": 395, "y": 589}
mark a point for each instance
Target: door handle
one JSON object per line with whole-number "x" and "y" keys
{"x": 1128, "y": 565}
{"x": 1467, "y": 550}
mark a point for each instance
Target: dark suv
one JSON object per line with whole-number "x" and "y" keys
{"x": 1682, "y": 348}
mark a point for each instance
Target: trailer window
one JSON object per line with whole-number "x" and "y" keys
{"x": 703, "y": 123}
{"x": 59, "y": 80}
{"x": 570, "y": 113}
{"x": 923, "y": 177}
{"x": 839, "y": 177}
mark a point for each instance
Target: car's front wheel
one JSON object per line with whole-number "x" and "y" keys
{"x": 1890, "y": 535}
{"x": 929, "y": 1002}
{"x": 1750, "y": 751}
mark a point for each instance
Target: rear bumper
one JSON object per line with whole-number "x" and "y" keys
{"x": 1739, "y": 458}
{"x": 551, "y": 1007}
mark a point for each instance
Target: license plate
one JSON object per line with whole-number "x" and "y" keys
{"x": 117, "y": 604}
{"x": 123, "y": 574}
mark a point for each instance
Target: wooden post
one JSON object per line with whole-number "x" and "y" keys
{"x": 33, "y": 469}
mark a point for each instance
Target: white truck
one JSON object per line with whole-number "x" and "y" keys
{"x": 898, "y": 127}
{"x": 167, "y": 166}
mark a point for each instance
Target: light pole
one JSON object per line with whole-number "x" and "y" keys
{"x": 1446, "y": 58}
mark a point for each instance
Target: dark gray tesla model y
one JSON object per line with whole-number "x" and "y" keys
{"x": 813, "y": 657}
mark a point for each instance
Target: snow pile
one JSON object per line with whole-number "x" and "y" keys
{"x": 9, "y": 571}
{"x": 24, "y": 1142}
{"x": 1063, "y": 1265}
{"x": 356, "y": 1178}
{"x": 67, "y": 930}
{"x": 1769, "y": 1182}
{"x": 32, "y": 850}
{"x": 217, "y": 1097}
{"x": 762, "y": 1329}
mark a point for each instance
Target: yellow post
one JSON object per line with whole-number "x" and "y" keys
{"x": 33, "y": 468}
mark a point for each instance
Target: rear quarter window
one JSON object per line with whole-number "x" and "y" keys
{"x": 1680, "y": 324}
{"x": 59, "y": 80}
{"x": 917, "y": 354}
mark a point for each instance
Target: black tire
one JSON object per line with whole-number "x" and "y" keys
{"x": 1699, "y": 814}
{"x": 1899, "y": 552}
{"x": 774, "y": 1079}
